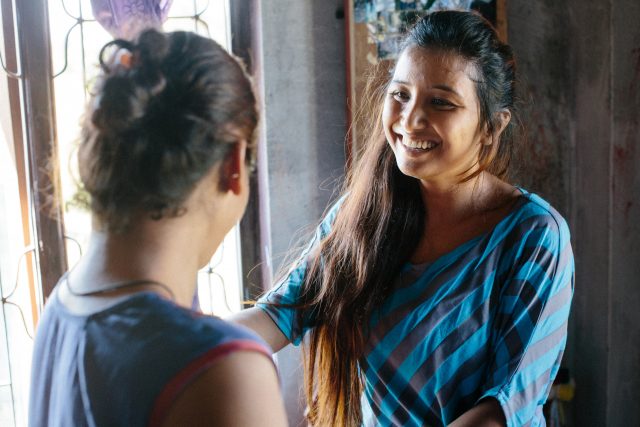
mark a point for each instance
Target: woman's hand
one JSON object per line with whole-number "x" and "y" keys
{"x": 487, "y": 413}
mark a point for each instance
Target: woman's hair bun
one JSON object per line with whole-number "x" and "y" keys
{"x": 114, "y": 107}
{"x": 166, "y": 108}
{"x": 133, "y": 76}
{"x": 152, "y": 46}
{"x": 150, "y": 51}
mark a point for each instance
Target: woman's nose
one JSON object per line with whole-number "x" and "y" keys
{"x": 414, "y": 118}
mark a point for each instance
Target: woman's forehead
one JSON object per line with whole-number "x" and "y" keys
{"x": 418, "y": 63}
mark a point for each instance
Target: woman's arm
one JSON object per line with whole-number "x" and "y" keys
{"x": 239, "y": 390}
{"x": 529, "y": 329}
{"x": 487, "y": 413}
{"x": 256, "y": 319}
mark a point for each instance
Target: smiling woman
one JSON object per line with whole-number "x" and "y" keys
{"x": 434, "y": 287}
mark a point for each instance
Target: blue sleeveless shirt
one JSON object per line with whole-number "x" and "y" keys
{"x": 124, "y": 365}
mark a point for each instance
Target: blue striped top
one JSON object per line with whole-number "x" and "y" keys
{"x": 488, "y": 319}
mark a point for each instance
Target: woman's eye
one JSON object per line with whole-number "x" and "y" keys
{"x": 441, "y": 103}
{"x": 399, "y": 95}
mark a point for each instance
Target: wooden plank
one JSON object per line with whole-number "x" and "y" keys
{"x": 364, "y": 66}
{"x": 589, "y": 32}
{"x": 501, "y": 20}
{"x": 350, "y": 78}
{"x": 254, "y": 238}
{"x": 623, "y": 386}
{"x": 35, "y": 53}
{"x": 13, "y": 86}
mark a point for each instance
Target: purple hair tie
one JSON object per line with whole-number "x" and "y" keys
{"x": 126, "y": 18}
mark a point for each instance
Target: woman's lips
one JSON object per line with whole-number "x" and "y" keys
{"x": 414, "y": 142}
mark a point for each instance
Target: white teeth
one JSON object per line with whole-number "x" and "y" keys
{"x": 424, "y": 145}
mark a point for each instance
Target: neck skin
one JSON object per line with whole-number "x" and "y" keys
{"x": 459, "y": 212}
{"x": 169, "y": 251}
{"x": 454, "y": 202}
{"x": 165, "y": 251}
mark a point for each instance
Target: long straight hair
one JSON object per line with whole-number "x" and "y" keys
{"x": 381, "y": 220}
{"x": 375, "y": 231}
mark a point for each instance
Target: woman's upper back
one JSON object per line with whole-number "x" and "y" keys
{"x": 125, "y": 364}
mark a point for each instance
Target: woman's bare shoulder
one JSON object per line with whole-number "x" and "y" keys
{"x": 240, "y": 389}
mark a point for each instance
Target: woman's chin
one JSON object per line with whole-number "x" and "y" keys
{"x": 410, "y": 169}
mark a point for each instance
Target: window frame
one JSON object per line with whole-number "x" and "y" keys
{"x": 255, "y": 244}
{"x": 33, "y": 113}
{"x": 40, "y": 142}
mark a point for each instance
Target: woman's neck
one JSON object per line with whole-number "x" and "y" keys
{"x": 452, "y": 202}
{"x": 165, "y": 253}
{"x": 461, "y": 212}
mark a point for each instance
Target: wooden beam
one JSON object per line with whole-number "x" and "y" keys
{"x": 254, "y": 228}
{"x": 501, "y": 20}
{"x": 37, "y": 83}
{"x": 13, "y": 89}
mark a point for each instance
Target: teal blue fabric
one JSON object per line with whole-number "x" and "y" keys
{"x": 488, "y": 319}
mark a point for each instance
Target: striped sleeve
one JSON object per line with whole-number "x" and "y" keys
{"x": 530, "y": 329}
{"x": 278, "y": 301}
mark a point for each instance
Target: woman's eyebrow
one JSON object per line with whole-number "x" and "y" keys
{"x": 438, "y": 86}
{"x": 446, "y": 88}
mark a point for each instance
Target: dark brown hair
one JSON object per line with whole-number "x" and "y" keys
{"x": 380, "y": 222}
{"x": 166, "y": 109}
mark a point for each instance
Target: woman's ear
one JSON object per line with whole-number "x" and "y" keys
{"x": 504, "y": 117}
{"x": 234, "y": 168}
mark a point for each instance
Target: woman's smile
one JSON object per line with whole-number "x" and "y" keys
{"x": 414, "y": 142}
{"x": 417, "y": 148}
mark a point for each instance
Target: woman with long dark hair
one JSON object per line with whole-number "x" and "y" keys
{"x": 165, "y": 155}
{"x": 435, "y": 292}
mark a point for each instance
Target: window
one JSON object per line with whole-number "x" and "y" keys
{"x": 76, "y": 40}
{"x": 18, "y": 291}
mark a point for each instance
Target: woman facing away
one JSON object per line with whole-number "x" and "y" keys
{"x": 434, "y": 292}
{"x": 165, "y": 154}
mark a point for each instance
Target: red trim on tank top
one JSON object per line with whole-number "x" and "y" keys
{"x": 170, "y": 391}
